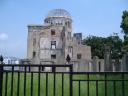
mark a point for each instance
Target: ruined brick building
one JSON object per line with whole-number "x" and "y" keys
{"x": 51, "y": 42}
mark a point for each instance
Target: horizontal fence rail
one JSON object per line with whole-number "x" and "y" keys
{"x": 59, "y": 80}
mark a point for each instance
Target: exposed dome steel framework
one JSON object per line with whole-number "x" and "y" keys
{"x": 59, "y": 13}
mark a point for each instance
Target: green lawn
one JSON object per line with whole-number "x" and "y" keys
{"x": 83, "y": 85}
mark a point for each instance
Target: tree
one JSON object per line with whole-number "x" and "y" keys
{"x": 124, "y": 23}
{"x": 97, "y": 45}
{"x": 124, "y": 26}
{"x": 115, "y": 44}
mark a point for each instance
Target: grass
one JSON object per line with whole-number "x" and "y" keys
{"x": 58, "y": 92}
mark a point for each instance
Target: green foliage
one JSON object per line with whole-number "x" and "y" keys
{"x": 124, "y": 26}
{"x": 125, "y": 44}
{"x": 97, "y": 45}
{"x": 116, "y": 46}
{"x": 124, "y": 23}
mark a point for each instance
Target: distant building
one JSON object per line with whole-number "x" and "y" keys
{"x": 11, "y": 60}
{"x": 51, "y": 42}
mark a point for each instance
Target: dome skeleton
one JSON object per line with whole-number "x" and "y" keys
{"x": 58, "y": 17}
{"x": 59, "y": 13}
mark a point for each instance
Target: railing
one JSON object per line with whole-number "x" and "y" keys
{"x": 60, "y": 80}
{"x": 33, "y": 80}
{"x": 101, "y": 83}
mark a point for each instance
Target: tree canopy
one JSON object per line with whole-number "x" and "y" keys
{"x": 124, "y": 26}
{"x": 97, "y": 45}
{"x": 124, "y": 23}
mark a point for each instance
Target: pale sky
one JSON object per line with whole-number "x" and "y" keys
{"x": 91, "y": 17}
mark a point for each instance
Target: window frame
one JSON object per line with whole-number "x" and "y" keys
{"x": 53, "y": 44}
{"x": 79, "y": 56}
{"x": 53, "y": 56}
{"x": 34, "y": 54}
{"x": 53, "y": 32}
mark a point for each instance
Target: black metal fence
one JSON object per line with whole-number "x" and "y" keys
{"x": 101, "y": 83}
{"x": 33, "y": 80}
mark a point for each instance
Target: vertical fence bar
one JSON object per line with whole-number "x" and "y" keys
{"x": 31, "y": 84}
{"x": 79, "y": 88}
{"x": 25, "y": 81}
{"x": 96, "y": 87}
{"x": 114, "y": 87}
{"x": 54, "y": 84}
{"x": 71, "y": 81}
{"x": 87, "y": 84}
{"x": 12, "y": 77}
{"x": 123, "y": 90}
{"x": 46, "y": 84}
{"x": 62, "y": 84}
{"x": 105, "y": 84}
{"x": 6, "y": 83}
{"x": 1, "y": 78}
{"x": 39, "y": 69}
{"x": 18, "y": 84}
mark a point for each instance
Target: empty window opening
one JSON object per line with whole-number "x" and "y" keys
{"x": 53, "y": 44}
{"x": 53, "y": 32}
{"x": 70, "y": 49}
{"x": 53, "y": 56}
{"x": 79, "y": 56}
{"x": 34, "y": 54}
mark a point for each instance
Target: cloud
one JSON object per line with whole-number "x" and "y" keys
{"x": 3, "y": 36}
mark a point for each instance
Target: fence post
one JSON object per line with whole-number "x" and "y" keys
{"x": 1, "y": 74}
{"x": 71, "y": 85}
